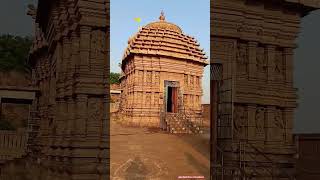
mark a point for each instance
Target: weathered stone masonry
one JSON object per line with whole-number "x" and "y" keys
{"x": 254, "y": 41}
{"x": 159, "y": 53}
{"x": 70, "y": 62}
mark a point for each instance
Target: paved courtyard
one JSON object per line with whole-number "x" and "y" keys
{"x": 150, "y": 154}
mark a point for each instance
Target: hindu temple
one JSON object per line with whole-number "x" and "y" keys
{"x": 161, "y": 77}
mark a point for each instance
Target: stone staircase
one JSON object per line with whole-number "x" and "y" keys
{"x": 178, "y": 123}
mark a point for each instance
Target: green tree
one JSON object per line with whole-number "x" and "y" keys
{"x": 114, "y": 78}
{"x": 14, "y": 52}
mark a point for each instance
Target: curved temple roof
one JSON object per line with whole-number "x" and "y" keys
{"x": 167, "y": 39}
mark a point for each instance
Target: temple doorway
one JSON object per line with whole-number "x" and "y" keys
{"x": 172, "y": 99}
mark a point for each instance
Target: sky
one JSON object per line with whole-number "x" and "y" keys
{"x": 187, "y": 15}
{"x": 307, "y": 74}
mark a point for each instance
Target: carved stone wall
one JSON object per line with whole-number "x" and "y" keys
{"x": 144, "y": 89}
{"x": 160, "y": 52}
{"x": 70, "y": 65}
{"x": 254, "y": 41}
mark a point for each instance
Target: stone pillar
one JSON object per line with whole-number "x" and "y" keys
{"x": 252, "y": 59}
{"x": 271, "y": 58}
{"x": 270, "y": 126}
{"x": 59, "y": 70}
{"x": 95, "y": 108}
{"x": 251, "y": 122}
{"x": 289, "y": 117}
{"x": 66, "y": 57}
{"x": 59, "y": 117}
{"x": 81, "y": 117}
{"x": 144, "y": 92}
{"x": 105, "y": 119}
{"x": 74, "y": 57}
{"x": 85, "y": 48}
{"x": 64, "y": 119}
{"x": 288, "y": 57}
{"x": 71, "y": 117}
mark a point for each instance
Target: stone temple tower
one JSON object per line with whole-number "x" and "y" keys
{"x": 161, "y": 79}
{"x": 252, "y": 60}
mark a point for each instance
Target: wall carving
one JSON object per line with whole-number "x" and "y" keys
{"x": 280, "y": 123}
{"x": 264, "y": 51}
{"x": 191, "y": 81}
{"x": 148, "y": 98}
{"x": 279, "y": 65}
{"x": 185, "y": 79}
{"x": 262, "y": 64}
{"x": 260, "y": 119}
{"x": 240, "y": 121}
{"x": 242, "y": 59}
{"x": 149, "y": 76}
{"x": 140, "y": 77}
{"x": 157, "y": 77}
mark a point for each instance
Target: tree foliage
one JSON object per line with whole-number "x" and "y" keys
{"x": 14, "y": 53}
{"x": 114, "y": 78}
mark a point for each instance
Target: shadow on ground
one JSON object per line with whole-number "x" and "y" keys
{"x": 136, "y": 170}
{"x": 203, "y": 170}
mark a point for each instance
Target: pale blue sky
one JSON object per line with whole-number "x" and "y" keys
{"x": 192, "y": 16}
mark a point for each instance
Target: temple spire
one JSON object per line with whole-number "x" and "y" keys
{"x": 162, "y": 17}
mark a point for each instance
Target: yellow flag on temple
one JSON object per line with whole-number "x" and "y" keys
{"x": 137, "y": 19}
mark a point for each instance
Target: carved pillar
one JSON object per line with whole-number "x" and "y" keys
{"x": 144, "y": 84}
{"x": 271, "y": 58}
{"x": 71, "y": 117}
{"x": 61, "y": 121}
{"x": 154, "y": 84}
{"x": 66, "y": 51}
{"x": 260, "y": 120}
{"x": 81, "y": 120}
{"x": 105, "y": 119}
{"x": 59, "y": 70}
{"x": 251, "y": 122}
{"x": 74, "y": 60}
{"x": 270, "y": 126}
{"x": 252, "y": 55}
{"x": 84, "y": 48}
{"x": 288, "y": 58}
{"x": 95, "y": 108}
{"x": 288, "y": 119}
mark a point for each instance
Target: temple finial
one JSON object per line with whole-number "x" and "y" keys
{"x": 162, "y": 17}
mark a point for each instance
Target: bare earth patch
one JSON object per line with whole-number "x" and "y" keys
{"x": 150, "y": 154}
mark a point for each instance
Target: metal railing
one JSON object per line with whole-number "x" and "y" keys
{"x": 12, "y": 145}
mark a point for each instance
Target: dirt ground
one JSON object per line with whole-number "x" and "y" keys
{"x": 150, "y": 154}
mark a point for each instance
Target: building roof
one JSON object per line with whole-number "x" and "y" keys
{"x": 165, "y": 39}
{"x": 163, "y": 24}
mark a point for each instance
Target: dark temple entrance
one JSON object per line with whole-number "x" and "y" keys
{"x": 172, "y": 99}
